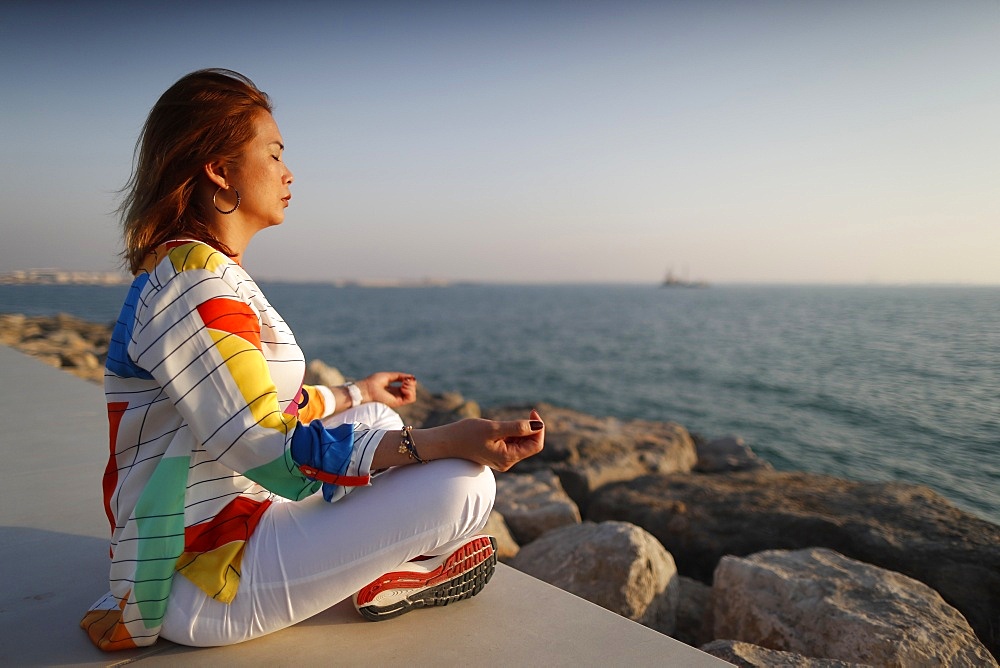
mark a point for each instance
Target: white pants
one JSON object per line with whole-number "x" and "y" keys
{"x": 306, "y": 556}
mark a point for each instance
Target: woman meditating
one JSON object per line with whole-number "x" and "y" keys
{"x": 240, "y": 500}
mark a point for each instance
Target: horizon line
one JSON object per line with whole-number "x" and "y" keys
{"x": 48, "y": 276}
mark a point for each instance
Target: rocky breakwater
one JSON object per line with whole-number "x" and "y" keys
{"x": 702, "y": 540}
{"x": 62, "y": 341}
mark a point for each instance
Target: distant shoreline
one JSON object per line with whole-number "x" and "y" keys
{"x": 111, "y": 278}
{"x": 63, "y": 277}
{"x": 57, "y": 277}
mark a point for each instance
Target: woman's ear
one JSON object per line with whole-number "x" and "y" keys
{"x": 216, "y": 173}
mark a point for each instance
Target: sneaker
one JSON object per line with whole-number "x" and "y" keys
{"x": 434, "y": 581}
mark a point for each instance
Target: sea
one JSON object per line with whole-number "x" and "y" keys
{"x": 874, "y": 383}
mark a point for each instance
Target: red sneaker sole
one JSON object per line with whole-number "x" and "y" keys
{"x": 461, "y": 576}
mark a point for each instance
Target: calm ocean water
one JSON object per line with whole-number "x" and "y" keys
{"x": 869, "y": 383}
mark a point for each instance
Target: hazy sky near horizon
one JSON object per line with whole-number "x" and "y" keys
{"x": 732, "y": 141}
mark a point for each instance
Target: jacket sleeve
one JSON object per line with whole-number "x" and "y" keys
{"x": 318, "y": 402}
{"x": 201, "y": 342}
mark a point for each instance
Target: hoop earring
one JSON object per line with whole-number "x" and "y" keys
{"x": 235, "y": 206}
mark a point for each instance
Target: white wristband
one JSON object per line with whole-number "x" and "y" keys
{"x": 355, "y": 393}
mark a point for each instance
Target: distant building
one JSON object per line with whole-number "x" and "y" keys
{"x": 62, "y": 277}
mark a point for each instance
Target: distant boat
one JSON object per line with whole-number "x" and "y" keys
{"x": 673, "y": 281}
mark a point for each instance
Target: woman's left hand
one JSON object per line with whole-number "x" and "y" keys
{"x": 391, "y": 388}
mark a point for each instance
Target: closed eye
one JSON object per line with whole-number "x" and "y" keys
{"x": 278, "y": 145}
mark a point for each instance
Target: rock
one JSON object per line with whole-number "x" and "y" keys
{"x": 432, "y": 410}
{"x": 93, "y": 333}
{"x": 64, "y": 341}
{"x": 82, "y": 358}
{"x": 37, "y": 347}
{"x": 616, "y": 565}
{"x": 429, "y": 410}
{"x": 83, "y": 364}
{"x": 694, "y": 612}
{"x": 319, "y": 373}
{"x": 729, "y": 453}
{"x": 51, "y": 360}
{"x": 507, "y": 547}
{"x": 904, "y": 528}
{"x": 748, "y": 655}
{"x": 11, "y": 327}
{"x": 533, "y": 503}
{"x": 587, "y": 452}
{"x": 69, "y": 340}
{"x": 820, "y": 603}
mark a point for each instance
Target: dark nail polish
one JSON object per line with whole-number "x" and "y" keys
{"x": 536, "y": 425}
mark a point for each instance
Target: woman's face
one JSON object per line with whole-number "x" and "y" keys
{"x": 261, "y": 176}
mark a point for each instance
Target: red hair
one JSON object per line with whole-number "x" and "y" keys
{"x": 207, "y": 116}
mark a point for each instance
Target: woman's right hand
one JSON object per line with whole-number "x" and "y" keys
{"x": 496, "y": 444}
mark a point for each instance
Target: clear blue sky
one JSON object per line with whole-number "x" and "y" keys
{"x": 834, "y": 142}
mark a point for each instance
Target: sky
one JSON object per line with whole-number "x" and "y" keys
{"x": 539, "y": 142}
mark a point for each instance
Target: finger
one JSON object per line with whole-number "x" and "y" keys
{"x": 536, "y": 421}
{"x": 405, "y": 393}
{"x": 519, "y": 427}
{"x": 389, "y": 377}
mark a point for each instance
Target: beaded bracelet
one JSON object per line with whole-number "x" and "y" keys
{"x": 407, "y": 447}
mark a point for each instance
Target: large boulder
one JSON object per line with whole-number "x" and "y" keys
{"x": 904, "y": 528}
{"x": 729, "y": 453}
{"x": 616, "y": 565}
{"x": 694, "y": 612}
{"x": 507, "y": 547}
{"x": 820, "y": 603}
{"x": 587, "y": 451}
{"x": 319, "y": 372}
{"x": 433, "y": 410}
{"x": 533, "y": 503}
{"x": 429, "y": 410}
{"x": 748, "y": 655}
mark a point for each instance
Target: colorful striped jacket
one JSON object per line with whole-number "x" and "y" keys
{"x": 208, "y": 419}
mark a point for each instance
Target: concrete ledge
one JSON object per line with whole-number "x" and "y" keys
{"x": 53, "y": 562}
